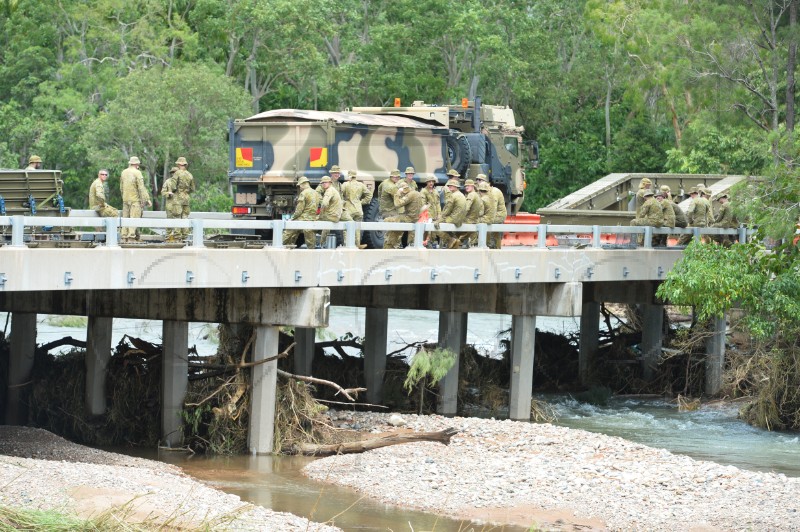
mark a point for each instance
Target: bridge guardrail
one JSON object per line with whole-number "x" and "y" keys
{"x": 594, "y": 236}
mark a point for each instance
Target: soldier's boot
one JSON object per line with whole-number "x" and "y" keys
{"x": 455, "y": 244}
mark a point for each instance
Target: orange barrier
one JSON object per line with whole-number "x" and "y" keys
{"x": 524, "y": 239}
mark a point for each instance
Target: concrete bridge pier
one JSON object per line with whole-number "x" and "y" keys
{"x": 652, "y": 337}
{"x": 376, "y": 326}
{"x": 304, "y": 350}
{"x": 452, "y": 336}
{"x": 265, "y": 379}
{"x": 589, "y": 340}
{"x": 523, "y": 336}
{"x": 98, "y": 353}
{"x": 174, "y": 380}
{"x": 23, "y": 346}
{"x": 715, "y": 355}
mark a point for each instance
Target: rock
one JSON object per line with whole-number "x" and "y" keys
{"x": 396, "y": 420}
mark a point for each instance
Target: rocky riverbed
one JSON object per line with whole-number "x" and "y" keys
{"x": 554, "y": 477}
{"x": 39, "y": 470}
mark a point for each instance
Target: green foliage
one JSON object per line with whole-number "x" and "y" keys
{"x": 710, "y": 150}
{"x": 66, "y": 321}
{"x": 429, "y": 365}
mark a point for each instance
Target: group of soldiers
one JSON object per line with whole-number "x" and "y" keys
{"x": 656, "y": 208}
{"x": 176, "y": 191}
{"x": 400, "y": 200}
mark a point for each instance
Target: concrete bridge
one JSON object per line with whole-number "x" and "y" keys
{"x": 272, "y": 286}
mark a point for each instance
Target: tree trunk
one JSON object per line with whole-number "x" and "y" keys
{"x": 790, "y": 66}
{"x": 312, "y": 449}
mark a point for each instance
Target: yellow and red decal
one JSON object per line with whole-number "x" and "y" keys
{"x": 244, "y": 157}
{"x": 318, "y": 157}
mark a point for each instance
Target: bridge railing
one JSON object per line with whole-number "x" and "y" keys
{"x": 26, "y": 228}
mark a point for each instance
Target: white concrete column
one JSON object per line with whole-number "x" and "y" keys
{"x": 304, "y": 350}
{"x": 452, "y": 335}
{"x": 523, "y": 336}
{"x": 265, "y": 376}
{"x": 98, "y": 353}
{"x": 589, "y": 338}
{"x": 174, "y": 380}
{"x": 22, "y": 343}
{"x": 376, "y": 326}
{"x": 652, "y": 336}
{"x": 715, "y": 355}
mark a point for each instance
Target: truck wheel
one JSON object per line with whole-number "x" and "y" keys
{"x": 372, "y": 213}
{"x": 459, "y": 152}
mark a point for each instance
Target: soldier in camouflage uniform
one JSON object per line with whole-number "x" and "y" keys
{"x": 355, "y": 195}
{"x": 724, "y": 219}
{"x": 410, "y": 172}
{"x": 98, "y": 192}
{"x": 134, "y": 197}
{"x": 304, "y": 211}
{"x": 685, "y": 239}
{"x": 411, "y": 202}
{"x": 386, "y": 191}
{"x": 474, "y": 207}
{"x": 171, "y": 205}
{"x": 644, "y": 185}
{"x": 184, "y": 186}
{"x": 454, "y": 212}
{"x": 34, "y": 163}
{"x": 489, "y": 208}
{"x": 651, "y": 213}
{"x": 432, "y": 204}
{"x": 669, "y": 217}
{"x": 495, "y": 240}
{"x": 331, "y": 207}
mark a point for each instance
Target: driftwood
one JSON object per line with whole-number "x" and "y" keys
{"x": 67, "y": 340}
{"x": 315, "y": 380}
{"x": 311, "y": 449}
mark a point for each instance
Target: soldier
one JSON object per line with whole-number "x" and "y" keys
{"x": 410, "y": 178}
{"x": 134, "y": 197}
{"x": 184, "y": 186}
{"x": 355, "y": 195}
{"x": 724, "y": 219}
{"x": 386, "y": 192}
{"x": 336, "y": 177}
{"x": 495, "y": 240}
{"x": 304, "y": 211}
{"x": 669, "y": 217}
{"x": 432, "y": 203}
{"x": 705, "y": 199}
{"x": 330, "y": 208}
{"x": 644, "y": 184}
{"x": 34, "y": 163}
{"x": 411, "y": 202}
{"x": 667, "y": 192}
{"x": 98, "y": 192}
{"x": 454, "y": 211}
{"x": 651, "y": 213}
{"x": 474, "y": 207}
{"x": 489, "y": 208}
{"x": 685, "y": 239}
{"x": 171, "y": 205}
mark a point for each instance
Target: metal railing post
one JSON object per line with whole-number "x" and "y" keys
{"x": 419, "y": 235}
{"x": 197, "y": 233}
{"x": 112, "y": 224}
{"x": 542, "y": 236}
{"x": 350, "y": 230}
{"x": 596, "y": 236}
{"x": 648, "y": 237}
{"x": 18, "y": 231}
{"x": 277, "y": 233}
{"x": 742, "y": 234}
{"x": 482, "y": 236}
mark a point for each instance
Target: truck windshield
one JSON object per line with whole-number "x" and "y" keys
{"x": 512, "y": 145}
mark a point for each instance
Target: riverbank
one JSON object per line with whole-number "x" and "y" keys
{"x": 554, "y": 477}
{"x": 42, "y": 471}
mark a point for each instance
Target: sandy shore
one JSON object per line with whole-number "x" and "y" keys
{"x": 545, "y": 476}
{"x": 39, "y": 470}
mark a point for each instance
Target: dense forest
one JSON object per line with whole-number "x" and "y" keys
{"x": 603, "y": 85}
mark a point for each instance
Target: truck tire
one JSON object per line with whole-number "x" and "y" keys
{"x": 459, "y": 152}
{"x": 372, "y": 213}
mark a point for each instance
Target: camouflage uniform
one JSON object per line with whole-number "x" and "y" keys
{"x": 134, "y": 197}
{"x": 184, "y": 184}
{"x": 330, "y": 208}
{"x": 171, "y": 205}
{"x": 652, "y": 214}
{"x": 644, "y": 185}
{"x": 34, "y": 163}
{"x": 454, "y": 212}
{"x": 411, "y": 201}
{"x": 386, "y": 191}
{"x": 304, "y": 211}
{"x": 685, "y": 239}
{"x": 474, "y": 208}
{"x": 489, "y": 209}
{"x": 724, "y": 219}
{"x": 669, "y": 218}
{"x": 432, "y": 203}
{"x": 411, "y": 183}
{"x": 355, "y": 195}
{"x": 495, "y": 240}
{"x": 98, "y": 192}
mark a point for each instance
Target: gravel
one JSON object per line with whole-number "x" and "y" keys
{"x": 41, "y": 471}
{"x": 514, "y": 473}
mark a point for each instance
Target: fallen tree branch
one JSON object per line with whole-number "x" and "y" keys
{"x": 314, "y": 380}
{"x": 311, "y": 449}
{"x": 67, "y": 340}
{"x": 349, "y": 404}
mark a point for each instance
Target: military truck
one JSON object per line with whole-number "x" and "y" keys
{"x": 271, "y": 150}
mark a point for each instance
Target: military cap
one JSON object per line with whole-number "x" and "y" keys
{"x": 335, "y": 168}
{"x": 351, "y": 173}
{"x": 430, "y": 178}
{"x": 326, "y": 179}
{"x": 182, "y": 160}
{"x": 134, "y": 160}
{"x": 706, "y": 192}
{"x": 693, "y": 190}
{"x": 34, "y": 159}
{"x": 723, "y": 195}
{"x": 453, "y": 183}
{"x": 394, "y": 173}
{"x": 480, "y": 177}
{"x": 303, "y": 179}
{"x": 173, "y": 170}
{"x": 402, "y": 185}
{"x": 645, "y": 181}
{"x": 647, "y": 193}
{"x": 453, "y": 173}
{"x": 658, "y": 194}
{"x": 484, "y": 187}
{"x": 469, "y": 182}
{"x": 665, "y": 188}
{"x": 410, "y": 170}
